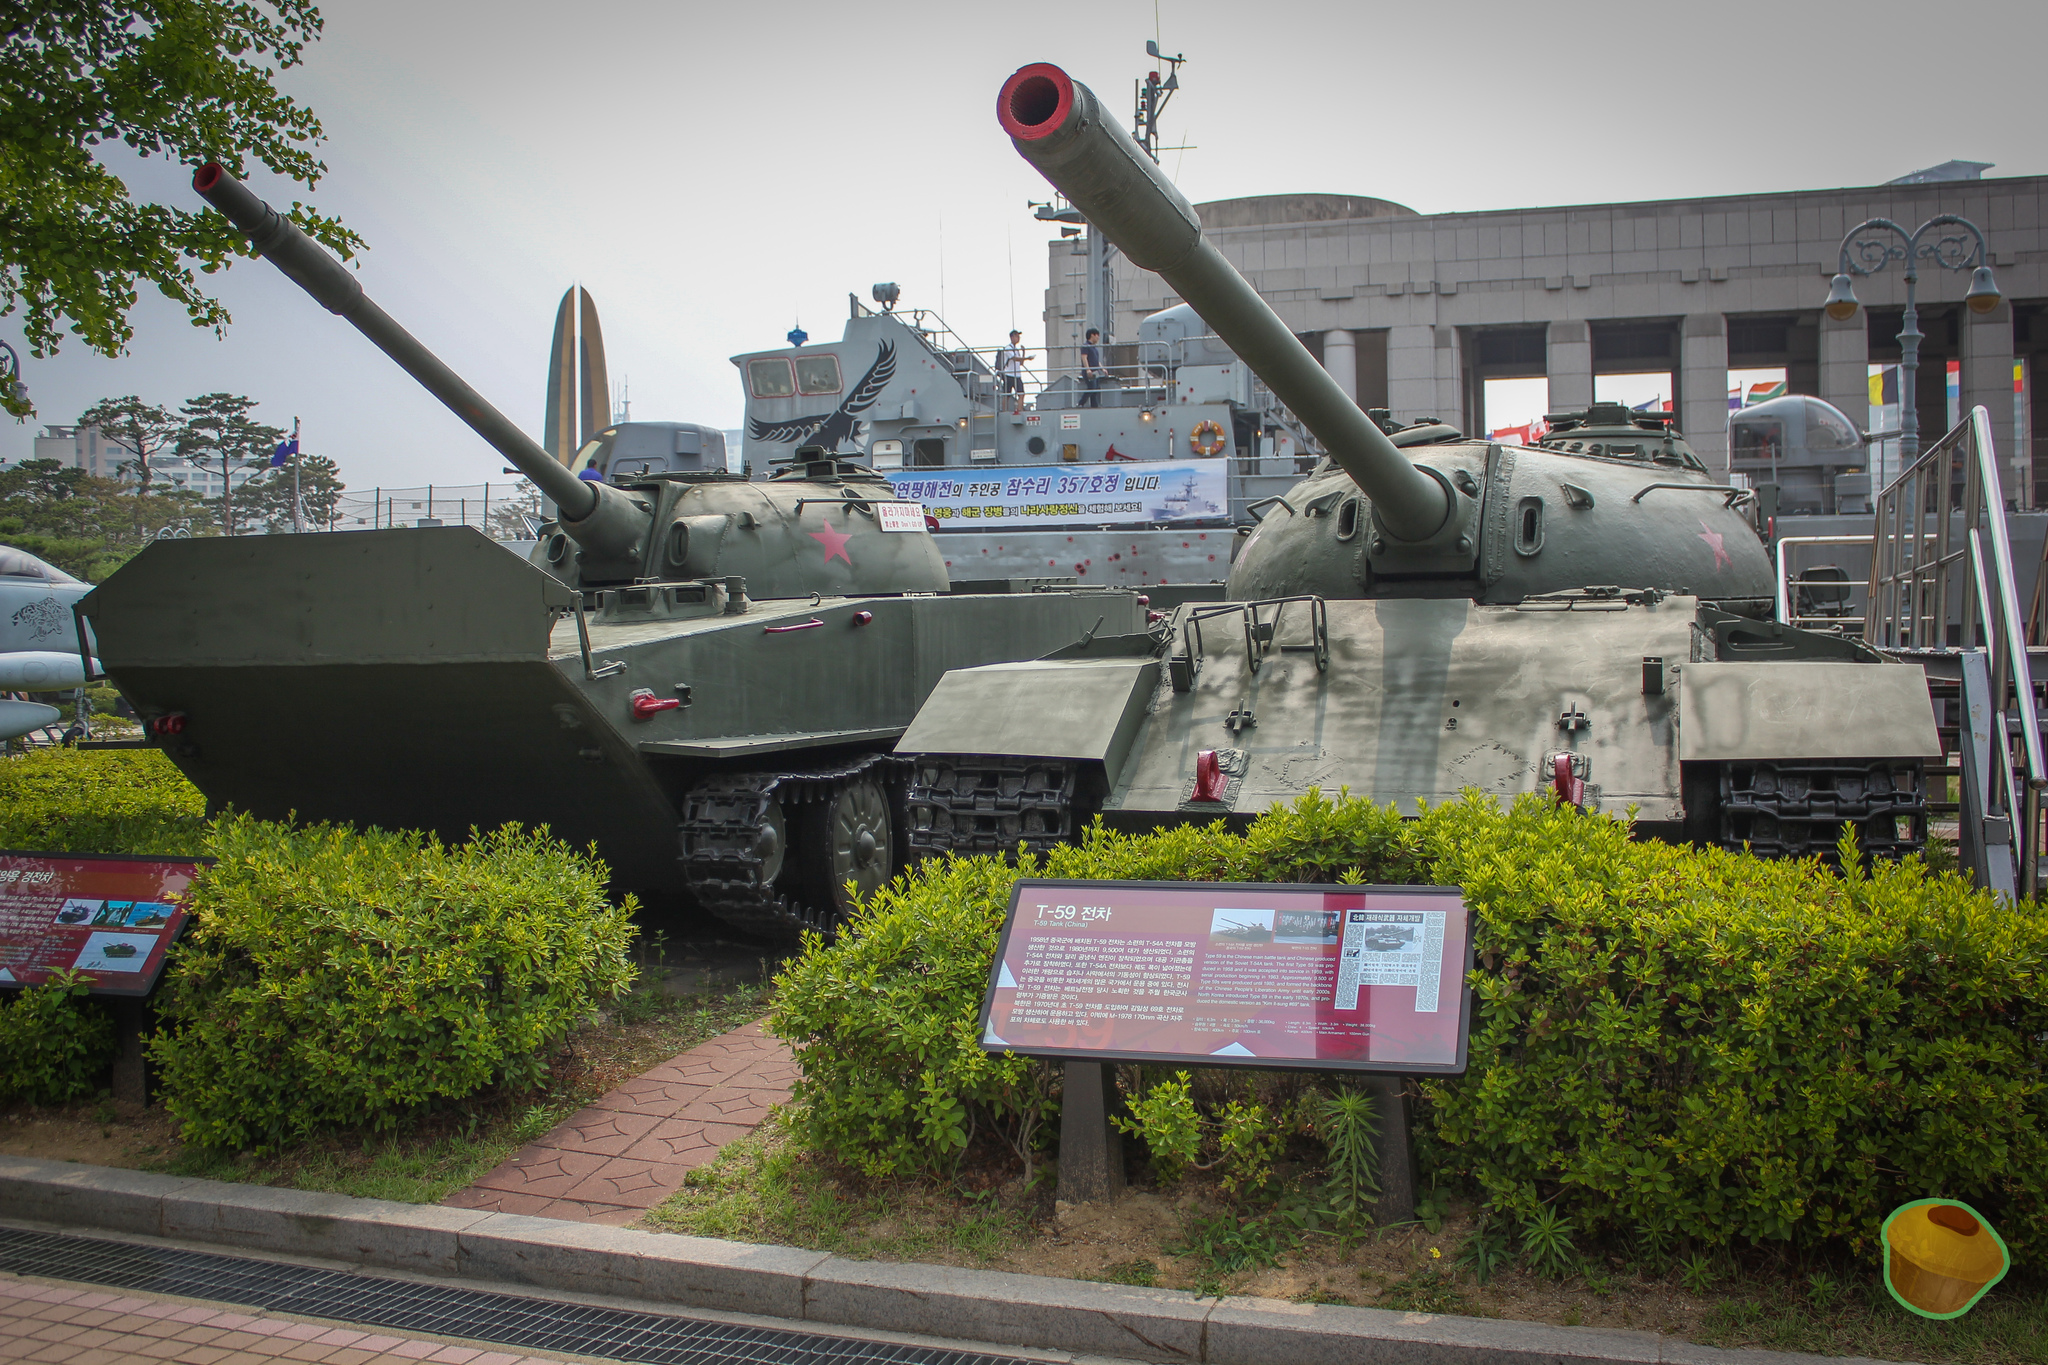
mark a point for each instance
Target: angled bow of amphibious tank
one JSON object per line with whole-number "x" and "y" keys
{"x": 700, "y": 674}
{"x": 1426, "y": 614}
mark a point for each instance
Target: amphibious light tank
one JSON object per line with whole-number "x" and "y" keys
{"x": 1425, "y": 614}
{"x": 700, "y": 674}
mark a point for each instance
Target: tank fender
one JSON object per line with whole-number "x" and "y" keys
{"x": 1086, "y": 709}
{"x": 1804, "y": 709}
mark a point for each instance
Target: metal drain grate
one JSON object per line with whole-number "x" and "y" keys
{"x": 446, "y": 1310}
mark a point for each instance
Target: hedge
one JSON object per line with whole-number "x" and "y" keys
{"x": 99, "y": 801}
{"x": 1666, "y": 1042}
{"x": 341, "y": 978}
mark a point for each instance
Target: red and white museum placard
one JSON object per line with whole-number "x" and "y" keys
{"x": 108, "y": 916}
{"x": 1367, "y": 978}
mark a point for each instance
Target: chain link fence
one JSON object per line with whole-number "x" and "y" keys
{"x": 503, "y": 511}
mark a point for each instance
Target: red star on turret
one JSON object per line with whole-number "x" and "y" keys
{"x": 1708, "y": 534}
{"x": 835, "y": 545}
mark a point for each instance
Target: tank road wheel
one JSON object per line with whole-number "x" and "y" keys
{"x": 771, "y": 843}
{"x": 770, "y": 853}
{"x": 849, "y": 838}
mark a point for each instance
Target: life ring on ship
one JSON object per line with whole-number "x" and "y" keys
{"x": 1206, "y": 438}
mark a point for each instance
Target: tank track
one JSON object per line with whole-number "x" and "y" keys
{"x": 975, "y": 803}
{"x": 722, "y": 868}
{"x": 1796, "y": 810}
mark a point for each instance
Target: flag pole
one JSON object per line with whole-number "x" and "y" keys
{"x": 298, "y": 524}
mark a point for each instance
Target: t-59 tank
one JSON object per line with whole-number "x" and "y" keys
{"x": 701, "y": 674}
{"x": 1425, "y": 614}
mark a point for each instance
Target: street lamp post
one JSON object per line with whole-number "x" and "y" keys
{"x": 1873, "y": 246}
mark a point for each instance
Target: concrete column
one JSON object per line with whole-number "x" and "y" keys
{"x": 1987, "y": 382}
{"x": 1450, "y": 377}
{"x": 1340, "y": 358}
{"x": 1703, "y": 387}
{"x": 1845, "y": 366}
{"x": 1411, "y": 372}
{"x": 1569, "y": 363}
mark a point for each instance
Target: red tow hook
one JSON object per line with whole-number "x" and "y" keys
{"x": 645, "y": 704}
{"x": 1210, "y": 781}
{"x": 1566, "y": 785}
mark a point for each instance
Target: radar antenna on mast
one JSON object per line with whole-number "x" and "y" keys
{"x": 1098, "y": 282}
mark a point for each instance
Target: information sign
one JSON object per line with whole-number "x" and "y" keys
{"x": 109, "y": 916}
{"x": 899, "y": 516}
{"x": 1139, "y": 493}
{"x": 1365, "y": 978}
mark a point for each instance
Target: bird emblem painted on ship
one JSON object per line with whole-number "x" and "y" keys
{"x": 829, "y": 429}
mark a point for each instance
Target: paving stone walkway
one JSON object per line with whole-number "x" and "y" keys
{"x": 630, "y": 1150}
{"x": 74, "y": 1325}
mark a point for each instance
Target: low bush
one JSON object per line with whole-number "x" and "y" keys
{"x": 1668, "y": 1043}
{"x": 332, "y": 977}
{"x": 99, "y": 801}
{"x": 55, "y": 1044}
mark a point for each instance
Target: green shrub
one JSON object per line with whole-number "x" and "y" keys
{"x": 56, "y": 1043}
{"x": 1165, "y": 1120}
{"x": 1681, "y": 1044}
{"x": 99, "y": 801}
{"x": 341, "y": 978}
{"x": 1667, "y": 1043}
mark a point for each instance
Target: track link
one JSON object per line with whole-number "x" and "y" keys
{"x": 1796, "y": 810}
{"x": 724, "y": 861}
{"x": 975, "y": 803}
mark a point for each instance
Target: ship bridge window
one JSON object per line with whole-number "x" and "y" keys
{"x": 817, "y": 374}
{"x": 770, "y": 378}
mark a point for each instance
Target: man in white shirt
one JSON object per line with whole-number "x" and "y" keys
{"x": 1010, "y": 370}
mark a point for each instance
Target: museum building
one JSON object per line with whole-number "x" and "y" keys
{"x": 1415, "y": 312}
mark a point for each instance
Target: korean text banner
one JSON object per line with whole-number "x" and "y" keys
{"x": 1329, "y": 977}
{"x": 1140, "y": 493}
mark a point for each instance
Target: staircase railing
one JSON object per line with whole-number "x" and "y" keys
{"x": 1942, "y": 582}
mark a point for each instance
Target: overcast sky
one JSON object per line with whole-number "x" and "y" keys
{"x": 715, "y": 173}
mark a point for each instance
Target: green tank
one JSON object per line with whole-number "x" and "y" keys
{"x": 1425, "y": 614}
{"x": 700, "y": 674}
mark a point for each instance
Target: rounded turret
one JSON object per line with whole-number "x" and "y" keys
{"x": 818, "y": 526}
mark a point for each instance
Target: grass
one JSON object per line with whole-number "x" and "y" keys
{"x": 762, "y": 1189}
{"x": 1834, "y": 1317}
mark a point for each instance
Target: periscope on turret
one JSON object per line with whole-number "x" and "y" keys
{"x": 1424, "y": 615}
{"x": 700, "y": 673}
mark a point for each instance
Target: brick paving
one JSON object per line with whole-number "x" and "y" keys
{"x": 630, "y": 1149}
{"x": 67, "y": 1325}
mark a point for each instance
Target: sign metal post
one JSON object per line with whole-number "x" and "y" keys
{"x": 1365, "y": 979}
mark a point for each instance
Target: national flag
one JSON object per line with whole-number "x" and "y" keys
{"x": 1763, "y": 391}
{"x": 1653, "y": 405}
{"x": 1735, "y": 398}
{"x": 1884, "y": 387}
{"x": 285, "y": 450}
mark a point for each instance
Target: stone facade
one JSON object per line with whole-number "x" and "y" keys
{"x": 1422, "y": 309}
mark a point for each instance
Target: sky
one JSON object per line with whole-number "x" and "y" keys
{"x": 717, "y": 173}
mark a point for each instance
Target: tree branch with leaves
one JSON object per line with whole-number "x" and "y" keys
{"x": 189, "y": 80}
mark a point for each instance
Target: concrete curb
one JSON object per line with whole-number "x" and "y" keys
{"x": 808, "y": 1286}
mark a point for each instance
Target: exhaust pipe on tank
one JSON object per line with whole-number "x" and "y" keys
{"x": 1060, "y": 127}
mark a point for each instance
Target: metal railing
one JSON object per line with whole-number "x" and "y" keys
{"x": 499, "y": 510}
{"x": 1951, "y": 589}
{"x": 1807, "y": 594}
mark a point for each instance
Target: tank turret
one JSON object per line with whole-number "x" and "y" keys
{"x": 1396, "y": 512}
{"x": 637, "y": 519}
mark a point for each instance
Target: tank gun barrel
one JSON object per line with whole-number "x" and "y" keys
{"x": 603, "y": 520}
{"x": 1060, "y": 127}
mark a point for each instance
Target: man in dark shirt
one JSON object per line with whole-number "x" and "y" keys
{"x": 1092, "y": 372}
